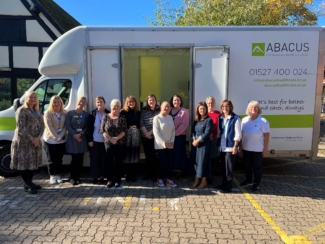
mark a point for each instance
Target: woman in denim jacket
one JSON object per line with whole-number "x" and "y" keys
{"x": 201, "y": 132}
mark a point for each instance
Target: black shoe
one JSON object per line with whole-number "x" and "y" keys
{"x": 128, "y": 177}
{"x": 73, "y": 182}
{"x": 246, "y": 183}
{"x": 95, "y": 181}
{"x": 36, "y": 187}
{"x": 30, "y": 190}
{"x": 225, "y": 191}
{"x": 133, "y": 177}
{"x": 101, "y": 181}
{"x": 220, "y": 187}
{"x": 255, "y": 187}
{"x": 109, "y": 184}
{"x": 178, "y": 175}
{"x": 117, "y": 184}
{"x": 146, "y": 177}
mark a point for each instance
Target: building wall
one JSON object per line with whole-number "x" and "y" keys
{"x": 25, "y": 36}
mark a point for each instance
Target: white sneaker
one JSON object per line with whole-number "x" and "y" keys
{"x": 160, "y": 182}
{"x": 53, "y": 180}
{"x": 59, "y": 179}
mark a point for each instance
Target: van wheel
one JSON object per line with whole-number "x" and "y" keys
{"x": 5, "y": 159}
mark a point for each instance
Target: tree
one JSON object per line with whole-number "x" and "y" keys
{"x": 236, "y": 12}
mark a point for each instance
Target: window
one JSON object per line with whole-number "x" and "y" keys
{"x": 5, "y": 93}
{"x": 51, "y": 88}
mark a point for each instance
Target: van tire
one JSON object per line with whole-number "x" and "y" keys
{"x": 5, "y": 162}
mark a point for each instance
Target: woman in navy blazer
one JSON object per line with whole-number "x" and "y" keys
{"x": 229, "y": 136}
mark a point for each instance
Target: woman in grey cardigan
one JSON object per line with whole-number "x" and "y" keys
{"x": 76, "y": 124}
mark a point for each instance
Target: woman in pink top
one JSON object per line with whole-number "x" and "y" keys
{"x": 181, "y": 120}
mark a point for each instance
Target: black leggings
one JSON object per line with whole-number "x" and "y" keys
{"x": 76, "y": 165}
{"x": 27, "y": 176}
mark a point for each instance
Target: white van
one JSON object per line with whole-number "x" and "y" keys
{"x": 281, "y": 67}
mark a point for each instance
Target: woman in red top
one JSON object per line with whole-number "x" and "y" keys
{"x": 214, "y": 115}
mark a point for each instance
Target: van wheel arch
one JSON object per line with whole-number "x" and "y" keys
{"x": 5, "y": 150}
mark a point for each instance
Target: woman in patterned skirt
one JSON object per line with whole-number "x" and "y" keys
{"x": 133, "y": 117}
{"x": 26, "y": 147}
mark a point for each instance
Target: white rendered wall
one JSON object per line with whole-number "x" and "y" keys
{"x": 4, "y": 56}
{"x": 13, "y": 7}
{"x": 35, "y": 32}
{"x": 25, "y": 57}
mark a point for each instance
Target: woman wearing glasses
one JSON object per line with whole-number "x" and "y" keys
{"x": 133, "y": 116}
{"x": 229, "y": 136}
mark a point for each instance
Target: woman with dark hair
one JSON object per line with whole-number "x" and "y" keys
{"x": 147, "y": 115}
{"x": 26, "y": 147}
{"x": 54, "y": 137}
{"x": 77, "y": 126}
{"x": 95, "y": 140}
{"x": 181, "y": 120}
{"x": 133, "y": 116}
{"x": 201, "y": 133}
{"x": 229, "y": 136}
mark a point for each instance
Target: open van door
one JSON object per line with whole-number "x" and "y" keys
{"x": 103, "y": 74}
{"x": 210, "y": 72}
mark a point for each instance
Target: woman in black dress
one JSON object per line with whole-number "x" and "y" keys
{"x": 132, "y": 116}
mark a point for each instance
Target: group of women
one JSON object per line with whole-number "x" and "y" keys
{"x": 113, "y": 138}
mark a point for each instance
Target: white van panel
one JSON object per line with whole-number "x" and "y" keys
{"x": 210, "y": 73}
{"x": 104, "y": 74}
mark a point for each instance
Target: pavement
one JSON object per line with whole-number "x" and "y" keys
{"x": 289, "y": 208}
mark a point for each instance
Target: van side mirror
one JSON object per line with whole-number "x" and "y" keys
{"x": 16, "y": 104}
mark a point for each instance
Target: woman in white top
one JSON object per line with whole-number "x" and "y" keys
{"x": 229, "y": 135}
{"x": 164, "y": 135}
{"x": 54, "y": 137}
{"x": 255, "y": 142}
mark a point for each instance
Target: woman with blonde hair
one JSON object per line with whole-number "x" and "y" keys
{"x": 55, "y": 137}
{"x": 255, "y": 142}
{"x": 76, "y": 145}
{"x": 26, "y": 147}
{"x": 133, "y": 116}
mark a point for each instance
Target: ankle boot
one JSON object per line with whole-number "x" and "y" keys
{"x": 30, "y": 176}
{"x": 196, "y": 182}
{"x": 203, "y": 184}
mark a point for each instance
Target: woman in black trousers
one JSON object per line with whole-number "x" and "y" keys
{"x": 97, "y": 152}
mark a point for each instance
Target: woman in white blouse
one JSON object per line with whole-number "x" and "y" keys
{"x": 229, "y": 135}
{"x": 164, "y": 135}
{"x": 255, "y": 142}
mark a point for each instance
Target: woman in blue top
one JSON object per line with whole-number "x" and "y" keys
{"x": 229, "y": 136}
{"x": 201, "y": 132}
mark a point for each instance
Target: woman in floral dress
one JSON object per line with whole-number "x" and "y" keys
{"x": 26, "y": 147}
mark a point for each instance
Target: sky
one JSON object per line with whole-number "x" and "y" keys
{"x": 115, "y": 12}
